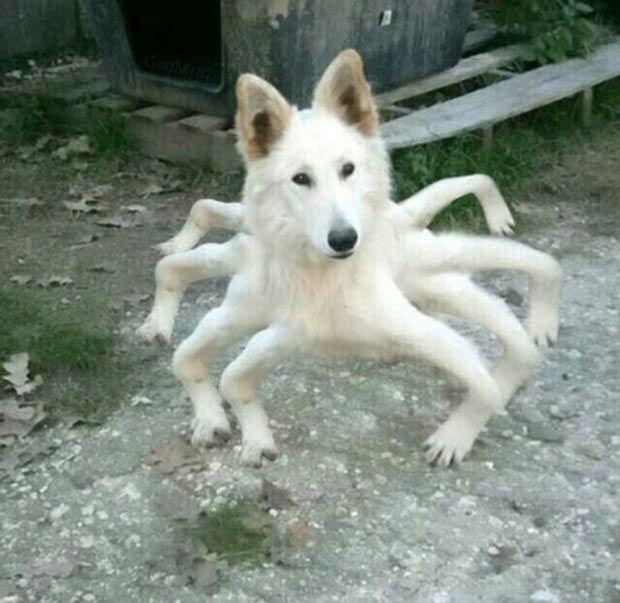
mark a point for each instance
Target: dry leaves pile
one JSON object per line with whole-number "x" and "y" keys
{"x": 18, "y": 415}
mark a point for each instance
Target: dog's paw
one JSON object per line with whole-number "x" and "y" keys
{"x": 543, "y": 326}
{"x": 169, "y": 247}
{"x": 257, "y": 448}
{"x": 500, "y": 220}
{"x": 154, "y": 329}
{"x": 210, "y": 430}
{"x": 450, "y": 443}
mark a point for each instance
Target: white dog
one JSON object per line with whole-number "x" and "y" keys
{"x": 327, "y": 263}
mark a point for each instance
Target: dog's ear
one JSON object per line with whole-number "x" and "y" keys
{"x": 344, "y": 91}
{"x": 262, "y": 116}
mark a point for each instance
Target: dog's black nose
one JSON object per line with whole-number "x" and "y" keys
{"x": 342, "y": 239}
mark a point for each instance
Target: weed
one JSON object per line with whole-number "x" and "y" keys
{"x": 555, "y": 29}
{"x": 76, "y": 357}
{"x": 35, "y": 116}
{"x": 108, "y": 136}
{"x": 236, "y": 533}
{"x": 522, "y": 149}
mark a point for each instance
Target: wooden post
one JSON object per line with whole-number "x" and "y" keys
{"x": 586, "y": 107}
{"x": 487, "y": 137}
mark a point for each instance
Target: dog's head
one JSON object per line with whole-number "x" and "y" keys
{"x": 312, "y": 175}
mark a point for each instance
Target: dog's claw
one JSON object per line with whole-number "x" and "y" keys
{"x": 210, "y": 431}
{"x": 254, "y": 451}
{"x": 151, "y": 330}
{"x": 449, "y": 444}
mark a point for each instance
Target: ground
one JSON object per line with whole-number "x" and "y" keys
{"x": 124, "y": 510}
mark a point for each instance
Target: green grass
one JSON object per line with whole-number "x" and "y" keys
{"x": 523, "y": 148}
{"x": 35, "y": 116}
{"x": 236, "y": 533}
{"x": 76, "y": 354}
{"x": 108, "y": 136}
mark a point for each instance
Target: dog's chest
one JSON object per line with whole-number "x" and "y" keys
{"x": 322, "y": 303}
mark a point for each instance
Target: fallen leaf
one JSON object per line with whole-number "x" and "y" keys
{"x": 136, "y": 298}
{"x": 197, "y": 567}
{"x": 273, "y": 497}
{"x": 103, "y": 267}
{"x": 139, "y": 400}
{"x": 58, "y": 567}
{"x": 42, "y": 143}
{"x": 100, "y": 190}
{"x": 21, "y": 279}
{"x": 77, "y": 420}
{"x": 23, "y": 202}
{"x": 12, "y": 425}
{"x": 152, "y": 189}
{"x": 83, "y": 206}
{"x": 85, "y": 240}
{"x": 117, "y": 222}
{"x": 174, "y": 455}
{"x": 55, "y": 281}
{"x": 17, "y": 374}
{"x": 76, "y": 146}
{"x": 297, "y": 533}
{"x": 133, "y": 209}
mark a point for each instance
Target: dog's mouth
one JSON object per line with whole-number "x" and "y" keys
{"x": 342, "y": 256}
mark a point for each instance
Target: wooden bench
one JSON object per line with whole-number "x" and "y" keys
{"x": 497, "y": 102}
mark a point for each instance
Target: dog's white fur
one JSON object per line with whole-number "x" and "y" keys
{"x": 290, "y": 294}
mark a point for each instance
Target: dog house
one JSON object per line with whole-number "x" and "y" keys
{"x": 189, "y": 54}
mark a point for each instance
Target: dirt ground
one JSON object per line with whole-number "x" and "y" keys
{"x": 125, "y": 511}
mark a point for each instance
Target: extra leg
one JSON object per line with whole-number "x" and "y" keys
{"x": 219, "y": 328}
{"x": 422, "y": 207}
{"x": 460, "y": 253}
{"x": 205, "y": 214}
{"x": 456, "y": 295}
{"x": 419, "y": 336}
{"x": 175, "y": 273}
{"x": 239, "y": 386}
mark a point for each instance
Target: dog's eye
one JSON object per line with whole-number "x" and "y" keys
{"x": 302, "y": 179}
{"x": 347, "y": 169}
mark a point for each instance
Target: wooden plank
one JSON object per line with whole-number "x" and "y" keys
{"x": 81, "y": 92}
{"x": 503, "y": 100}
{"x": 158, "y": 114}
{"x": 197, "y": 143}
{"x": 116, "y": 103}
{"x": 203, "y": 123}
{"x": 466, "y": 69}
{"x": 479, "y": 38}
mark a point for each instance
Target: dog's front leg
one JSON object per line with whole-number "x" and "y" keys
{"x": 420, "y": 209}
{"x": 219, "y": 328}
{"x": 175, "y": 273}
{"x": 240, "y": 383}
{"x": 205, "y": 214}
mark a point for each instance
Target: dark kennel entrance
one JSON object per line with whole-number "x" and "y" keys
{"x": 179, "y": 40}
{"x": 189, "y": 53}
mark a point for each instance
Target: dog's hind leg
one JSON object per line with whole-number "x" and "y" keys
{"x": 419, "y": 210}
{"x": 420, "y": 336}
{"x": 461, "y": 253}
{"x": 219, "y": 328}
{"x": 239, "y": 386}
{"x": 175, "y": 273}
{"x": 456, "y": 295}
{"x": 205, "y": 214}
